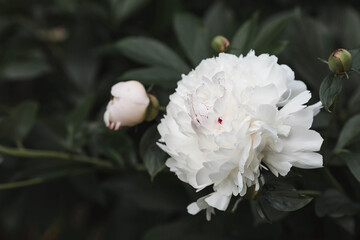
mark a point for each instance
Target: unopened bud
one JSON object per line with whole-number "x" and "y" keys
{"x": 128, "y": 105}
{"x": 340, "y": 61}
{"x": 153, "y": 108}
{"x": 220, "y": 43}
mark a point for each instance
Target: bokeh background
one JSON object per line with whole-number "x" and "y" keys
{"x": 58, "y": 61}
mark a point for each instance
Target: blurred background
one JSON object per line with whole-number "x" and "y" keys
{"x": 58, "y": 61}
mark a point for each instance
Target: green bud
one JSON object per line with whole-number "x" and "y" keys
{"x": 153, "y": 108}
{"x": 220, "y": 43}
{"x": 340, "y": 61}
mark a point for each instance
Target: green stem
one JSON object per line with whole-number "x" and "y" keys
{"x": 332, "y": 180}
{"x": 312, "y": 193}
{"x": 322, "y": 60}
{"x": 29, "y": 153}
{"x": 38, "y": 180}
{"x": 329, "y": 128}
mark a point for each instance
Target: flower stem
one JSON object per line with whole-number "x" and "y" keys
{"x": 29, "y": 153}
{"x": 329, "y": 128}
{"x": 38, "y": 180}
{"x": 312, "y": 193}
{"x": 322, "y": 60}
{"x": 332, "y": 180}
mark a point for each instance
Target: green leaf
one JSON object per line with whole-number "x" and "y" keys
{"x": 25, "y": 70}
{"x": 152, "y": 156}
{"x": 160, "y": 76}
{"x": 82, "y": 69}
{"x": 277, "y": 47}
{"x": 355, "y": 53}
{"x": 283, "y": 197}
{"x": 113, "y": 154}
{"x": 19, "y": 122}
{"x": 192, "y": 37}
{"x": 350, "y": 31}
{"x": 350, "y": 132}
{"x": 122, "y": 9}
{"x": 79, "y": 114}
{"x": 335, "y": 204}
{"x": 270, "y": 32}
{"x": 150, "y": 52}
{"x": 352, "y": 160}
{"x": 330, "y": 87}
{"x": 264, "y": 212}
{"x": 347, "y": 223}
{"x": 218, "y": 20}
{"x": 309, "y": 39}
{"x": 244, "y": 36}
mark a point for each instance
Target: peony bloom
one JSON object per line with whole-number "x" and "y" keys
{"x": 233, "y": 117}
{"x": 128, "y": 106}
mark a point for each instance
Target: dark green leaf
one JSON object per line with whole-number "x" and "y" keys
{"x": 152, "y": 156}
{"x": 353, "y": 162}
{"x": 347, "y": 223}
{"x": 113, "y": 154}
{"x": 350, "y": 133}
{"x": 149, "y": 51}
{"x": 79, "y": 114}
{"x": 244, "y": 36}
{"x": 25, "y": 70}
{"x": 193, "y": 37}
{"x": 353, "y": 105}
{"x": 309, "y": 39}
{"x": 218, "y": 20}
{"x": 283, "y": 197}
{"x": 277, "y": 47}
{"x": 335, "y": 204}
{"x": 19, "y": 122}
{"x": 270, "y": 32}
{"x": 82, "y": 69}
{"x": 122, "y": 9}
{"x": 355, "y": 53}
{"x": 264, "y": 212}
{"x": 350, "y": 31}
{"x": 160, "y": 76}
{"x": 330, "y": 87}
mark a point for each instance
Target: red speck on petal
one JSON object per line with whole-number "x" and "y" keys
{"x": 220, "y": 120}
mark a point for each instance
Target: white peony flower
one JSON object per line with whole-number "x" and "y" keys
{"x": 128, "y": 106}
{"x": 232, "y": 117}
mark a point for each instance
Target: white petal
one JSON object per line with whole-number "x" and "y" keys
{"x": 277, "y": 163}
{"x": 296, "y": 103}
{"x": 315, "y": 108}
{"x": 193, "y": 208}
{"x": 302, "y": 140}
{"x": 308, "y": 160}
{"x": 218, "y": 201}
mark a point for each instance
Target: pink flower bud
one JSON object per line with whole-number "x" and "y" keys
{"x": 128, "y": 106}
